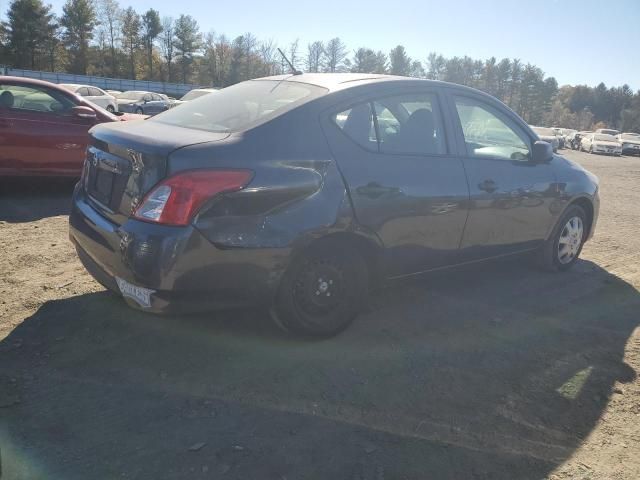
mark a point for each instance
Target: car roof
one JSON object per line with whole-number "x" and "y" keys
{"x": 34, "y": 82}
{"x": 340, "y": 81}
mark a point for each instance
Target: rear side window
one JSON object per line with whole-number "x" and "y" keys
{"x": 83, "y": 91}
{"x": 241, "y": 106}
{"x": 17, "y": 97}
{"x": 489, "y": 135}
{"x": 404, "y": 124}
{"x": 94, "y": 92}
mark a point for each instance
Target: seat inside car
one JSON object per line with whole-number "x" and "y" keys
{"x": 6, "y": 99}
{"x": 417, "y": 133}
{"x": 358, "y": 124}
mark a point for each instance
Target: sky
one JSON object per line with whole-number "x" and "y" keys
{"x": 575, "y": 41}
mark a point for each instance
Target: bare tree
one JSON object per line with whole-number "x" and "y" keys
{"x": 315, "y": 52}
{"x": 267, "y": 55}
{"x": 166, "y": 44}
{"x": 335, "y": 53}
{"x": 110, "y": 27}
{"x": 293, "y": 53}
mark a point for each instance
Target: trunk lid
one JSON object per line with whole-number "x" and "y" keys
{"x": 126, "y": 159}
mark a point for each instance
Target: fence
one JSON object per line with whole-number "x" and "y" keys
{"x": 173, "y": 89}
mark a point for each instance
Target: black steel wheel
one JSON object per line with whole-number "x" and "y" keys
{"x": 322, "y": 291}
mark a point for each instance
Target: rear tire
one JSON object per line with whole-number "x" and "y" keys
{"x": 561, "y": 251}
{"x": 322, "y": 291}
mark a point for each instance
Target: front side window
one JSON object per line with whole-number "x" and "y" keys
{"x": 33, "y": 99}
{"x": 95, "y": 92}
{"x": 488, "y": 135}
{"x": 403, "y": 124}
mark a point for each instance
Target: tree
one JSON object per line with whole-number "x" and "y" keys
{"x": 187, "y": 41}
{"x": 151, "y": 28}
{"x": 315, "y": 52}
{"x": 437, "y": 64}
{"x": 293, "y": 53}
{"x": 30, "y": 27}
{"x": 109, "y": 15}
{"x": 131, "y": 37}
{"x": 366, "y": 60}
{"x": 166, "y": 44}
{"x": 400, "y": 61}
{"x": 335, "y": 53}
{"x": 78, "y": 19}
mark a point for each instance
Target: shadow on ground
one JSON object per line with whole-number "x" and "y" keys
{"x": 497, "y": 372}
{"x": 28, "y": 199}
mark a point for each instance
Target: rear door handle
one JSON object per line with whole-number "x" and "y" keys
{"x": 488, "y": 186}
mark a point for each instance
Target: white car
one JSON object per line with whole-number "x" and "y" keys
{"x": 630, "y": 142}
{"x": 195, "y": 93}
{"x": 608, "y": 131}
{"x": 601, "y": 143}
{"x": 547, "y": 135}
{"x": 94, "y": 94}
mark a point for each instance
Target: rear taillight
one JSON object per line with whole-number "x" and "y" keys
{"x": 176, "y": 200}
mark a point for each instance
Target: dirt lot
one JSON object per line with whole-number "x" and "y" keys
{"x": 496, "y": 372}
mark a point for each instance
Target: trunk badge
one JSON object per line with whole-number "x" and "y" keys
{"x": 136, "y": 159}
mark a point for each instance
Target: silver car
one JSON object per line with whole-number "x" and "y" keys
{"x": 547, "y": 135}
{"x": 601, "y": 143}
{"x": 630, "y": 142}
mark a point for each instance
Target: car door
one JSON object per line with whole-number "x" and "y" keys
{"x": 38, "y": 132}
{"x": 512, "y": 198}
{"x": 159, "y": 103}
{"x": 98, "y": 97}
{"x": 405, "y": 184}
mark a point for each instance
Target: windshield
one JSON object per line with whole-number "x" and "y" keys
{"x": 241, "y": 106}
{"x": 605, "y": 138}
{"x": 130, "y": 95}
{"x": 545, "y": 132}
{"x": 193, "y": 94}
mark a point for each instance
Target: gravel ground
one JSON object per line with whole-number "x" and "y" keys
{"x": 499, "y": 371}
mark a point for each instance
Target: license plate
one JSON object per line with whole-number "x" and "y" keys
{"x": 141, "y": 295}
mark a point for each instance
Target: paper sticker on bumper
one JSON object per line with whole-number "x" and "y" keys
{"x": 142, "y": 296}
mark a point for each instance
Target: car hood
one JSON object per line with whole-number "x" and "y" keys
{"x": 633, "y": 142}
{"x": 606, "y": 144}
{"x": 132, "y": 116}
{"x": 548, "y": 138}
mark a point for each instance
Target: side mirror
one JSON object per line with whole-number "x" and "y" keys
{"x": 542, "y": 152}
{"x": 83, "y": 112}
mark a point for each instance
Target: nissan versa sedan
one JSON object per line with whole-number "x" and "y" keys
{"x": 300, "y": 193}
{"x": 142, "y": 103}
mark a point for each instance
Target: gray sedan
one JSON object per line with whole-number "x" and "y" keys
{"x": 144, "y": 103}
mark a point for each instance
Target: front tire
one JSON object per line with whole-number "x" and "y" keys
{"x": 322, "y": 291}
{"x": 139, "y": 111}
{"x": 110, "y": 109}
{"x": 561, "y": 251}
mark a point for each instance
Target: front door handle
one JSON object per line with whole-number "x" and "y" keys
{"x": 488, "y": 186}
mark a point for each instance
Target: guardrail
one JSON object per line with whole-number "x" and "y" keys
{"x": 173, "y": 89}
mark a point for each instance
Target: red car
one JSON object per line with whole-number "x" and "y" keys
{"x": 43, "y": 127}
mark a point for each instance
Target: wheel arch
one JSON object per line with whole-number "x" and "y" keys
{"x": 361, "y": 242}
{"x": 587, "y": 205}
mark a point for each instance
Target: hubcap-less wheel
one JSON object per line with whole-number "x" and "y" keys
{"x": 319, "y": 288}
{"x": 110, "y": 109}
{"x": 570, "y": 240}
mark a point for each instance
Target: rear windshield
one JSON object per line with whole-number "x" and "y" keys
{"x": 240, "y": 106}
{"x": 544, "y": 131}
{"x": 605, "y": 138}
{"x": 193, "y": 94}
{"x": 131, "y": 95}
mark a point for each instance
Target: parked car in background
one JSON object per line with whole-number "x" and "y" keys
{"x": 114, "y": 93}
{"x": 43, "y": 127}
{"x": 144, "y": 103}
{"x": 195, "y": 93}
{"x": 547, "y": 135}
{"x": 560, "y": 136}
{"x": 630, "y": 142}
{"x": 608, "y": 131}
{"x": 601, "y": 143}
{"x": 95, "y": 95}
{"x": 285, "y": 192}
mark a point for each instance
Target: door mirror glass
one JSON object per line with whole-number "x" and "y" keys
{"x": 83, "y": 112}
{"x": 542, "y": 152}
